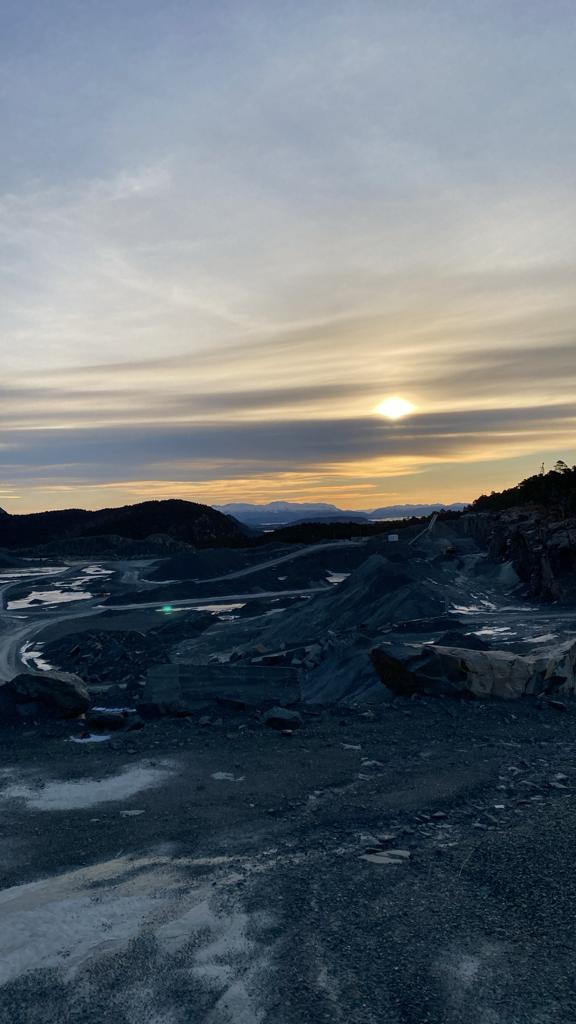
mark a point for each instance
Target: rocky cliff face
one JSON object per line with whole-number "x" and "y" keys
{"x": 540, "y": 544}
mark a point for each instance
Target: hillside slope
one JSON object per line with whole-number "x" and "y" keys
{"x": 182, "y": 521}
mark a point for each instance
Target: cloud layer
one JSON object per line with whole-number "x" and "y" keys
{"x": 226, "y": 235}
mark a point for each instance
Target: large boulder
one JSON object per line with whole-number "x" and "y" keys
{"x": 61, "y": 693}
{"x": 456, "y": 672}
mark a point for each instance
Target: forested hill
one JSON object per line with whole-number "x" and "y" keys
{"x": 554, "y": 491}
{"x": 183, "y": 522}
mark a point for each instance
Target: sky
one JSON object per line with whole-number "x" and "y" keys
{"x": 230, "y": 229}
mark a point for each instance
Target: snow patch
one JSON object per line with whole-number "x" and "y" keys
{"x": 72, "y": 796}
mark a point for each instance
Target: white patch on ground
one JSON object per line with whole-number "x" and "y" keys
{"x": 337, "y": 577}
{"x": 491, "y": 631}
{"x": 35, "y": 655}
{"x": 66, "y": 923}
{"x": 48, "y": 597}
{"x": 116, "y": 710}
{"x": 544, "y": 639}
{"x": 93, "y": 738}
{"x": 227, "y": 777}
{"x": 471, "y": 609}
{"x": 218, "y": 609}
{"x": 72, "y": 796}
{"x": 12, "y": 574}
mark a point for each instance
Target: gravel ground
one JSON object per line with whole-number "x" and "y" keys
{"x": 228, "y": 874}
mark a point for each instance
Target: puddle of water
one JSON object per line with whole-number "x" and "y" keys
{"x": 73, "y": 796}
{"x": 48, "y": 597}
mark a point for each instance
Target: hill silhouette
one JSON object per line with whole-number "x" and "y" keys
{"x": 555, "y": 490}
{"x": 184, "y": 522}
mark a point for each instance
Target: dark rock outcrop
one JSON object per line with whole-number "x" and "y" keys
{"x": 540, "y": 546}
{"x": 60, "y": 693}
{"x": 455, "y": 672}
{"x": 532, "y": 525}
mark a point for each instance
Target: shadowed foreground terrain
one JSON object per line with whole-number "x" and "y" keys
{"x": 177, "y": 849}
{"x": 222, "y": 872}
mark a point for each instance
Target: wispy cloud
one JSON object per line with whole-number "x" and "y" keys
{"x": 227, "y": 231}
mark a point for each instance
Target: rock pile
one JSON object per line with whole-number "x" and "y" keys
{"x": 104, "y": 658}
{"x": 380, "y": 592}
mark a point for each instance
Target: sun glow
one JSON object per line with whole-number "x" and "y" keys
{"x": 394, "y": 408}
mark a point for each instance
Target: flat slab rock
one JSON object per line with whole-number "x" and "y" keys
{"x": 451, "y": 671}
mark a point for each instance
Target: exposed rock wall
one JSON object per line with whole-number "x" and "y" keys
{"x": 541, "y": 547}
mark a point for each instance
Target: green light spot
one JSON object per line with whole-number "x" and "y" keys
{"x": 167, "y": 609}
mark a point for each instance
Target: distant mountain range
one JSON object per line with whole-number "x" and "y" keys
{"x": 164, "y": 527}
{"x": 284, "y": 513}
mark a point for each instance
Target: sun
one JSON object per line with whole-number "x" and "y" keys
{"x": 394, "y": 408}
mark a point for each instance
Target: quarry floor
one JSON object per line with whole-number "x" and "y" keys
{"x": 215, "y": 873}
